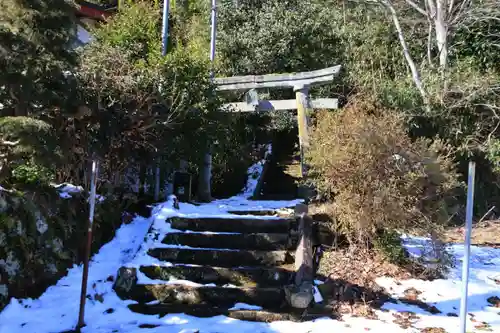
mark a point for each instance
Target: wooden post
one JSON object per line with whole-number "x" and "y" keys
{"x": 280, "y": 105}
{"x": 304, "y": 253}
{"x": 304, "y": 108}
{"x": 204, "y": 184}
{"x": 92, "y": 199}
{"x": 300, "y": 294}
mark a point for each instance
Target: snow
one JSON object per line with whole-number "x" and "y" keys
{"x": 159, "y": 229}
{"x": 57, "y": 309}
{"x": 243, "y": 306}
{"x": 28, "y": 315}
{"x": 254, "y": 173}
{"x": 445, "y": 294}
{"x": 83, "y": 35}
{"x": 65, "y": 190}
{"x": 128, "y": 248}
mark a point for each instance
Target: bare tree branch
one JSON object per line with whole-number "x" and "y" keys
{"x": 413, "y": 68}
{"x": 9, "y": 143}
{"x": 429, "y": 34}
{"x": 417, "y": 7}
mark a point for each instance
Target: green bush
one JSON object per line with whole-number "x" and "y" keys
{"x": 32, "y": 154}
{"x": 388, "y": 243}
{"x": 35, "y": 39}
{"x": 148, "y": 107}
{"x": 32, "y": 174}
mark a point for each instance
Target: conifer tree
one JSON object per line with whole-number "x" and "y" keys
{"x": 35, "y": 54}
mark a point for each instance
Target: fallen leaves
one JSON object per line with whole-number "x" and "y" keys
{"x": 433, "y": 330}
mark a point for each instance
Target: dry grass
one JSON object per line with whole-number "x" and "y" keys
{"x": 485, "y": 234}
{"x": 375, "y": 177}
{"x": 342, "y": 267}
{"x": 344, "y": 264}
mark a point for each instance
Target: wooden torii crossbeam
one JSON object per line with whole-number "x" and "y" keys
{"x": 300, "y": 82}
{"x": 291, "y": 80}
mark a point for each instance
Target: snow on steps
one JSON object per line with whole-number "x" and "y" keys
{"x": 262, "y": 241}
{"x": 213, "y": 296}
{"x": 204, "y": 266}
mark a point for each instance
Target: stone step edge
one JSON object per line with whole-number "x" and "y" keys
{"x": 207, "y": 311}
{"x": 215, "y": 257}
{"x": 181, "y": 294}
{"x": 230, "y": 242}
{"x": 237, "y": 225}
{"x": 237, "y": 276}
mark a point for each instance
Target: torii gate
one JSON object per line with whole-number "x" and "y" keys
{"x": 300, "y": 82}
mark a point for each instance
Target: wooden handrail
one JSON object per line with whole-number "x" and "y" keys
{"x": 304, "y": 253}
{"x": 300, "y": 294}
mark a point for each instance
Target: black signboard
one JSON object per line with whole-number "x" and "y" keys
{"x": 182, "y": 186}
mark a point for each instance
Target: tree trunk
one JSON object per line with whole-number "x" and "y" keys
{"x": 441, "y": 27}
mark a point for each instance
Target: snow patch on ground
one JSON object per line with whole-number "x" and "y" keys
{"x": 104, "y": 311}
{"x": 445, "y": 294}
{"x": 243, "y": 306}
{"x": 60, "y": 302}
{"x": 65, "y": 190}
{"x": 83, "y": 35}
{"x": 57, "y": 309}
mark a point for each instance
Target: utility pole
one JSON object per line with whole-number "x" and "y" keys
{"x": 213, "y": 37}
{"x": 164, "y": 47}
{"x": 205, "y": 192}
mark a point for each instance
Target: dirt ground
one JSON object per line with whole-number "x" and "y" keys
{"x": 486, "y": 233}
{"x": 358, "y": 269}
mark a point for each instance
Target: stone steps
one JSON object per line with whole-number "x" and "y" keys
{"x": 262, "y": 241}
{"x": 248, "y": 277}
{"x": 234, "y": 260}
{"x": 236, "y": 225}
{"x": 222, "y": 258}
{"x": 269, "y": 298}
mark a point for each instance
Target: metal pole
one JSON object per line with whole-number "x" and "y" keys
{"x": 468, "y": 232}
{"x": 213, "y": 37}
{"x": 164, "y": 45}
{"x": 81, "y": 316}
{"x": 164, "y": 35}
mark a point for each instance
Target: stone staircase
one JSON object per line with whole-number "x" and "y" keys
{"x": 241, "y": 259}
